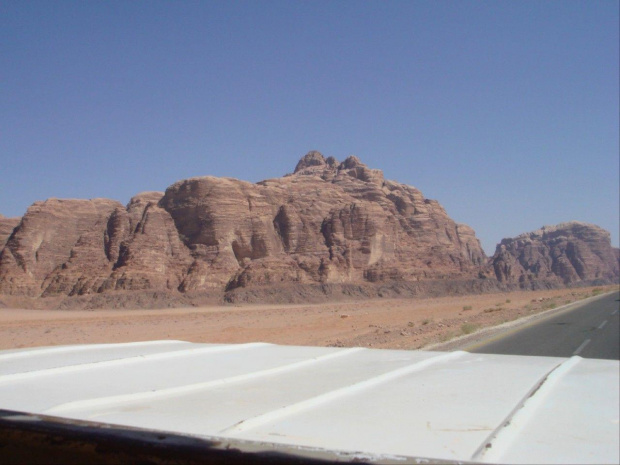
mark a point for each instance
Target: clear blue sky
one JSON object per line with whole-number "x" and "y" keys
{"x": 504, "y": 111}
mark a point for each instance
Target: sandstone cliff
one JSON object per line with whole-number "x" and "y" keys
{"x": 7, "y": 225}
{"x": 329, "y": 229}
{"x": 566, "y": 254}
{"x": 327, "y": 223}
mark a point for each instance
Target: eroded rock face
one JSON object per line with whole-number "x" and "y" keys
{"x": 567, "y": 253}
{"x": 57, "y": 248}
{"x": 7, "y": 225}
{"x": 328, "y": 222}
{"x": 145, "y": 247}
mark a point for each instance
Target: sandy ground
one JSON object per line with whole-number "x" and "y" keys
{"x": 395, "y": 324}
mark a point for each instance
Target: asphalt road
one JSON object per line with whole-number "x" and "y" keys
{"x": 591, "y": 330}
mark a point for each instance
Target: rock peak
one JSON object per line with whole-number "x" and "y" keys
{"x": 351, "y": 162}
{"x": 330, "y": 169}
{"x": 315, "y": 158}
{"x": 312, "y": 158}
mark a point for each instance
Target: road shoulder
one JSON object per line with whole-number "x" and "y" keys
{"x": 492, "y": 333}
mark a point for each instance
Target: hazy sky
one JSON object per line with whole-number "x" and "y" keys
{"x": 504, "y": 111}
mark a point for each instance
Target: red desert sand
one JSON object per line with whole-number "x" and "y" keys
{"x": 388, "y": 324}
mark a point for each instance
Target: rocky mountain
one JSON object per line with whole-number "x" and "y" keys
{"x": 327, "y": 223}
{"x": 332, "y": 228}
{"x": 565, "y": 254}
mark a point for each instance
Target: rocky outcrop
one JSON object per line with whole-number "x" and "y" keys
{"x": 76, "y": 247}
{"x": 327, "y": 223}
{"x": 145, "y": 247}
{"x": 566, "y": 254}
{"x": 57, "y": 248}
{"x": 330, "y": 228}
{"x": 7, "y": 225}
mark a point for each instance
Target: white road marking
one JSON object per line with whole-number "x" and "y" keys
{"x": 614, "y": 312}
{"x": 580, "y": 348}
{"x": 602, "y": 324}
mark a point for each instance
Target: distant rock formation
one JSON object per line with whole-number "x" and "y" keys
{"x": 330, "y": 228}
{"x": 327, "y": 223}
{"x": 565, "y": 254}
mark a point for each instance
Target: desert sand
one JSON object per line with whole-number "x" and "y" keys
{"x": 381, "y": 323}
